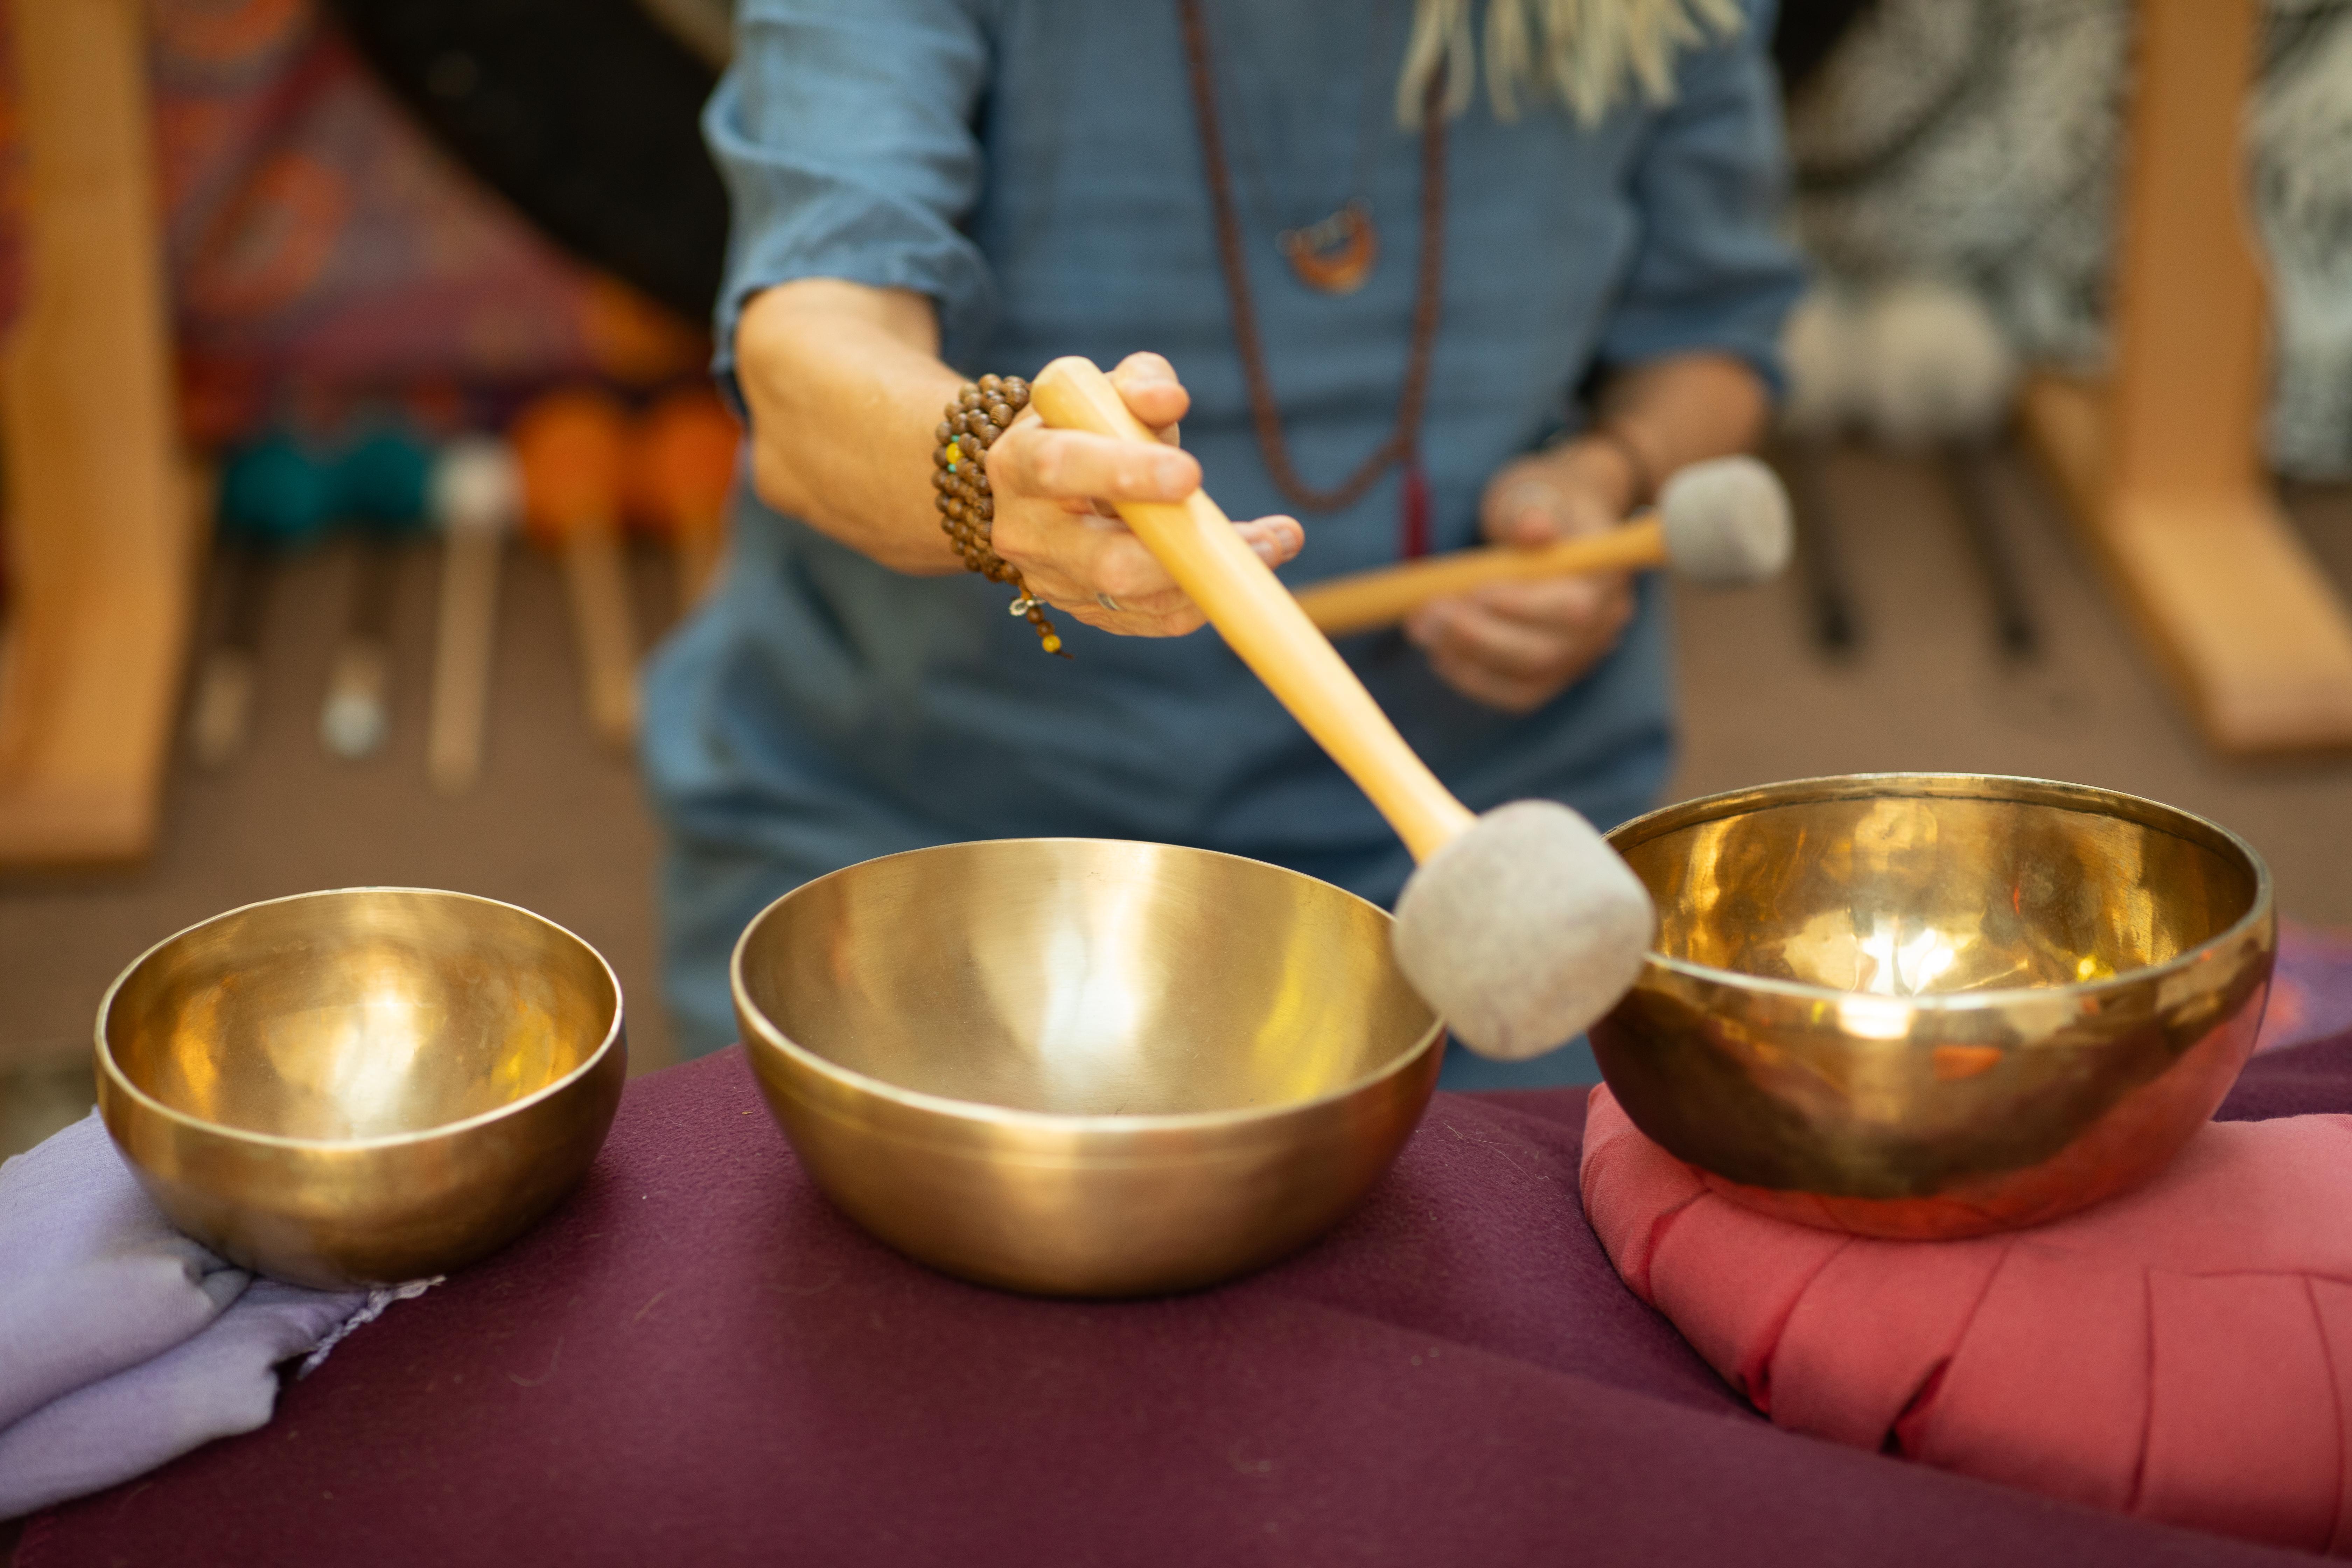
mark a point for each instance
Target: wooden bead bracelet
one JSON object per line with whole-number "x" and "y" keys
{"x": 975, "y": 419}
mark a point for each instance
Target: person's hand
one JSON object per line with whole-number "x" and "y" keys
{"x": 1055, "y": 522}
{"x": 1517, "y": 645}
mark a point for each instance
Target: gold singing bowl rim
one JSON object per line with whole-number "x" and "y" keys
{"x": 2012, "y": 788}
{"x": 988, "y": 1152}
{"x": 2093, "y": 1084}
{"x": 1014, "y": 1116}
{"x": 121, "y": 1081}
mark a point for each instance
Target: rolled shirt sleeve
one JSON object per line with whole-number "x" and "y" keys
{"x": 1713, "y": 268}
{"x": 844, "y": 135}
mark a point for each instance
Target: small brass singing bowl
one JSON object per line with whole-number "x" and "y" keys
{"x": 1081, "y": 1067}
{"x": 1933, "y": 1005}
{"x": 362, "y": 1087}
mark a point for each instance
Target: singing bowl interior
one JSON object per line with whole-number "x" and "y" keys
{"x": 365, "y": 1085}
{"x": 1937, "y": 1004}
{"x": 1931, "y": 895}
{"x": 1084, "y": 1067}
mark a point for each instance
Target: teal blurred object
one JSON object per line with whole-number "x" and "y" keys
{"x": 381, "y": 482}
{"x": 276, "y": 493}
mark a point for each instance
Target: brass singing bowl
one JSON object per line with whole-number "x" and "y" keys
{"x": 363, "y": 1087}
{"x": 1082, "y": 1067}
{"x": 1930, "y": 1005}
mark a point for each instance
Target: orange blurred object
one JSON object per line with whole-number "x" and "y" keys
{"x": 682, "y": 466}
{"x": 572, "y": 446}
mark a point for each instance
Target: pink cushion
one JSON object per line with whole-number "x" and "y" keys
{"x": 2183, "y": 1352}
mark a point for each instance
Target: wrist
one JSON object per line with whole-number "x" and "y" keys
{"x": 965, "y": 494}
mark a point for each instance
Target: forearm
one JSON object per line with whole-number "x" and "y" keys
{"x": 1670, "y": 413}
{"x": 845, "y": 386}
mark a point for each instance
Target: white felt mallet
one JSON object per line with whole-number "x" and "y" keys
{"x": 1521, "y": 926}
{"x": 1721, "y": 523}
{"x": 475, "y": 498}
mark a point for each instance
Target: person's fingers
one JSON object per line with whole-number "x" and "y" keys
{"x": 1068, "y": 560}
{"x": 1511, "y": 663}
{"x": 1524, "y": 512}
{"x": 1568, "y": 603}
{"x": 1074, "y": 562}
{"x": 1276, "y": 539}
{"x": 1465, "y": 629}
{"x": 1093, "y": 562}
{"x": 1481, "y": 684}
{"x": 1124, "y": 622}
{"x": 1128, "y": 623}
{"x": 1148, "y": 383}
{"x": 1030, "y": 460}
{"x": 1532, "y": 503}
{"x": 1090, "y": 560}
{"x": 1114, "y": 561}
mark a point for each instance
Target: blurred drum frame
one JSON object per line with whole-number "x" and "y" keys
{"x": 2160, "y": 463}
{"x": 103, "y": 530}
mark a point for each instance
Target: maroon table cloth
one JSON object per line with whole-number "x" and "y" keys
{"x": 696, "y": 1360}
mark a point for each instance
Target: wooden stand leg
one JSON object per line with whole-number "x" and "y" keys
{"x": 100, "y": 534}
{"x": 2162, "y": 467}
{"x": 597, "y": 578}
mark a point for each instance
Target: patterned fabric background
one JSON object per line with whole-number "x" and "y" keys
{"x": 1978, "y": 139}
{"x": 321, "y": 251}
{"x": 320, "y": 247}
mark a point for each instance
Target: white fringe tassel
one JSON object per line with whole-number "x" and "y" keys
{"x": 1586, "y": 53}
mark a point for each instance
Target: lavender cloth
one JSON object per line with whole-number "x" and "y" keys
{"x": 122, "y": 1342}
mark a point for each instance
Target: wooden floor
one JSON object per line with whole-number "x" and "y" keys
{"x": 561, "y": 827}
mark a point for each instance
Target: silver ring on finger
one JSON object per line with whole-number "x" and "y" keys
{"x": 1108, "y": 603}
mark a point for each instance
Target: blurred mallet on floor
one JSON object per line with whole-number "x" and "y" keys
{"x": 681, "y": 468}
{"x": 275, "y": 495}
{"x": 1820, "y": 550}
{"x": 1918, "y": 364}
{"x": 572, "y": 447}
{"x": 1721, "y": 523}
{"x": 379, "y": 486}
{"x": 475, "y": 497}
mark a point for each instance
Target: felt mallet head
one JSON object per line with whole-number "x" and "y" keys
{"x": 475, "y": 486}
{"x": 276, "y": 493}
{"x": 1523, "y": 931}
{"x": 682, "y": 463}
{"x": 1726, "y": 522}
{"x": 572, "y": 446}
{"x": 382, "y": 482}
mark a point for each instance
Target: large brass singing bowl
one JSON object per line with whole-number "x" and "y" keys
{"x": 363, "y": 1087}
{"x": 1925, "y": 1004}
{"x": 1084, "y": 1067}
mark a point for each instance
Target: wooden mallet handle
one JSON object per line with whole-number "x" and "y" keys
{"x": 681, "y": 468}
{"x": 1263, "y": 623}
{"x": 597, "y": 583}
{"x": 572, "y": 446}
{"x": 464, "y": 645}
{"x": 1386, "y": 595}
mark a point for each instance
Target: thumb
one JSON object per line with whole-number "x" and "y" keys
{"x": 1527, "y": 512}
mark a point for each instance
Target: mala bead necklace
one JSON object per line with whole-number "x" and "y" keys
{"x": 975, "y": 419}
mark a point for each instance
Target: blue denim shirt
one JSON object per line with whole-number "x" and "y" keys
{"x": 1034, "y": 167}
